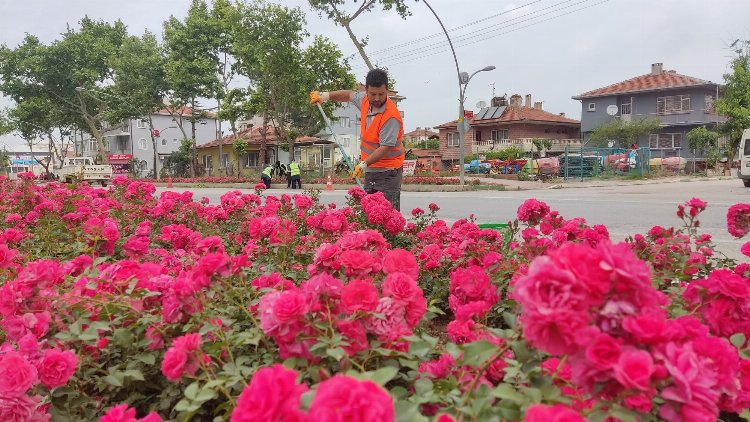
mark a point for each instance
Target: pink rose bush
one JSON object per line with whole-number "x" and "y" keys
{"x": 122, "y": 305}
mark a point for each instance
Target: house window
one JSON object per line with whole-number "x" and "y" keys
{"x": 251, "y": 159}
{"x": 592, "y": 106}
{"x": 92, "y": 145}
{"x": 344, "y": 121}
{"x": 207, "y": 162}
{"x": 142, "y": 144}
{"x": 625, "y": 108}
{"x": 225, "y": 160}
{"x": 453, "y": 139}
{"x": 174, "y": 141}
{"x": 673, "y": 104}
{"x": 163, "y": 142}
{"x": 499, "y": 135}
{"x": 665, "y": 141}
{"x": 709, "y": 107}
{"x": 346, "y": 140}
{"x": 140, "y": 123}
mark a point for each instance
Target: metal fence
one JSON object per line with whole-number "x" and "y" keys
{"x": 580, "y": 162}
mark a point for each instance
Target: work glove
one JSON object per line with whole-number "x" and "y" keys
{"x": 319, "y": 97}
{"x": 359, "y": 170}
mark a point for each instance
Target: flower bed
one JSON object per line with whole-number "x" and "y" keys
{"x": 119, "y": 306}
{"x": 408, "y": 180}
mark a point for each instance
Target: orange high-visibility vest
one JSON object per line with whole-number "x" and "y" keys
{"x": 371, "y": 135}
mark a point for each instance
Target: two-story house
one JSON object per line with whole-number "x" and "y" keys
{"x": 132, "y": 142}
{"x": 238, "y": 162}
{"x": 420, "y": 134}
{"x": 680, "y": 102}
{"x": 506, "y": 123}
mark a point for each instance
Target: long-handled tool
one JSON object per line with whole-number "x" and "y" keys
{"x": 347, "y": 160}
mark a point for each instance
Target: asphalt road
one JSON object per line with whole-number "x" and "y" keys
{"x": 625, "y": 210}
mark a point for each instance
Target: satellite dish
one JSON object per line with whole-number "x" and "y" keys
{"x": 612, "y": 110}
{"x": 610, "y": 143}
{"x": 482, "y": 104}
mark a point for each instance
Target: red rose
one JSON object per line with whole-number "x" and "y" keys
{"x": 344, "y": 398}
{"x": 634, "y": 369}
{"x": 17, "y": 375}
{"x": 56, "y": 367}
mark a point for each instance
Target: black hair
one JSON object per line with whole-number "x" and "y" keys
{"x": 376, "y": 78}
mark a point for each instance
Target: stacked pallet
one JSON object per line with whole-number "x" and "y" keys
{"x": 577, "y": 165}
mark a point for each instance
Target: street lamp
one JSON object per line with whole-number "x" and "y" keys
{"x": 463, "y": 82}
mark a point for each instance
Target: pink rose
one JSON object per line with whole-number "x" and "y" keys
{"x": 343, "y": 398}
{"x": 646, "y": 328}
{"x": 639, "y": 402}
{"x": 290, "y": 306}
{"x": 359, "y": 295}
{"x": 20, "y": 409}
{"x": 173, "y": 364}
{"x": 119, "y": 413}
{"x": 17, "y": 375}
{"x": 401, "y": 261}
{"x": 603, "y": 352}
{"x": 272, "y": 395}
{"x": 556, "y": 413}
{"x": 401, "y": 287}
{"x": 56, "y": 367}
{"x": 634, "y": 369}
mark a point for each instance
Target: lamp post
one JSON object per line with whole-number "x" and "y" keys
{"x": 463, "y": 82}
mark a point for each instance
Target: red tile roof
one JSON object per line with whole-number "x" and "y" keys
{"x": 519, "y": 115}
{"x": 421, "y": 132}
{"x": 251, "y": 135}
{"x": 644, "y": 83}
{"x": 183, "y": 111}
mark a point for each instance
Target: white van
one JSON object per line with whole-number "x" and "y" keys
{"x": 744, "y": 171}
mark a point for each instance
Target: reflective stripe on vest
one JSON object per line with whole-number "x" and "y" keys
{"x": 267, "y": 171}
{"x": 294, "y": 169}
{"x": 394, "y": 158}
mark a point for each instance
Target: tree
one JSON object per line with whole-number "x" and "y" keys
{"x": 179, "y": 163}
{"x": 541, "y": 144}
{"x": 192, "y": 62}
{"x": 268, "y": 49}
{"x": 140, "y": 82}
{"x": 622, "y": 132}
{"x": 335, "y": 10}
{"x": 704, "y": 142}
{"x": 735, "y": 102}
{"x": 239, "y": 145}
{"x": 71, "y": 75}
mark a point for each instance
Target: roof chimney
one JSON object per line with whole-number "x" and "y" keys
{"x": 562, "y": 114}
{"x": 515, "y": 100}
{"x": 499, "y": 101}
{"x": 656, "y": 68}
{"x": 538, "y": 105}
{"x": 528, "y": 101}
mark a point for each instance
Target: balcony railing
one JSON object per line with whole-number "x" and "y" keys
{"x": 525, "y": 144}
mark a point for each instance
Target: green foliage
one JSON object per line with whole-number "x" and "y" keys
{"x": 735, "y": 100}
{"x": 509, "y": 153}
{"x": 704, "y": 141}
{"x": 425, "y": 144}
{"x": 177, "y": 164}
{"x": 622, "y": 132}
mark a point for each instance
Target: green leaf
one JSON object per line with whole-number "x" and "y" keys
{"x": 123, "y": 337}
{"x": 423, "y": 386}
{"x": 408, "y": 412}
{"x": 738, "y": 340}
{"x": 336, "y": 353}
{"x": 477, "y": 353}
{"x": 383, "y": 375}
{"x": 113, "y": 380}
{"x": 420, "y": 348}
{"x": 507, "y": 392}
{"x": 207, "y": 393}
{"x": 147, "y": 358}
{"x": 135, "y": 374}
{"x": 191, "y": 392}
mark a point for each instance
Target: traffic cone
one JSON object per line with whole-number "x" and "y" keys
{"x": 329, "y": 183}
{"x": 169, "y": 182}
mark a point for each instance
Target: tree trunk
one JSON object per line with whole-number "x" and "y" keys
{"x": 263, "y": 140}
{"x": 194, "y": 152}
{"x": 360, "y": 47}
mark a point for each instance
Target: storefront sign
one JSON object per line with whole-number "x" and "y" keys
{"x": 409, "y": 166}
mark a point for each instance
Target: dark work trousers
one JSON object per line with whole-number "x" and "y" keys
{"x": 296, "y": 182}
{"x": 267, "y": 180}
{"x": 388, "y": 182}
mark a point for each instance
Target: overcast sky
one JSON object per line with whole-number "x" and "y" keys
{"x": 551, "y": 49}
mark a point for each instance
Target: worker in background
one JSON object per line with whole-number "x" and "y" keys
{"x": 265, "y": 176}
{"x": 295, "y": 175}
{"x": 382, "y": 158}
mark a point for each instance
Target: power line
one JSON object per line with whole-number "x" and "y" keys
{"x": 483, "y": 32}
{"x": 440, "y": 34}
{"x": 506, "y": 32}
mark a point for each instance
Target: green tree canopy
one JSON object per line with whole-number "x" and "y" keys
{"x": 622, "y": 132}
{"x": 735, "y": 101}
